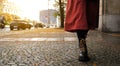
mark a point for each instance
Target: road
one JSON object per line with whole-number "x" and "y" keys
{"x": 55, "y": 47}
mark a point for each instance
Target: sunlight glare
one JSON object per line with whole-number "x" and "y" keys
{"x": 31, "y": 8}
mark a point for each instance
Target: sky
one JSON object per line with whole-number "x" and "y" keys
{"x": 31, "y": 8}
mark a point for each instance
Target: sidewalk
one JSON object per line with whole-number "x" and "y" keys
{"x": 103, "y": 49}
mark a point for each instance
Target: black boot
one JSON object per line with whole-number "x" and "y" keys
{"x": 83, "y": 56}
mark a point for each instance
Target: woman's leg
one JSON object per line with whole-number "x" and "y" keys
{"x": 81, "y": 34}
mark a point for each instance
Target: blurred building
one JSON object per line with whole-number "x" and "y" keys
{"x": 11, "y": 8}
{"x": 109, "y": 16}
{"x": 48, "y": 17}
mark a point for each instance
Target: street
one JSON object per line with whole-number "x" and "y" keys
{"x": 55, "y": 47}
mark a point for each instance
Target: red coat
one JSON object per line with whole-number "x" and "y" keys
{"x": 81, "y": 15}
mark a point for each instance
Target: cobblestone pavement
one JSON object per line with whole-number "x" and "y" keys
{"x": 103, "y": 49}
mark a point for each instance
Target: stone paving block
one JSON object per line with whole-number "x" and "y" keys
{"x": 70, "y": 39}
{"x": 59, "y": 53}
{"x": 54, "y": 39}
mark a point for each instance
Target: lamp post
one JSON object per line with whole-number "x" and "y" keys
{"x": 48, "y": 14}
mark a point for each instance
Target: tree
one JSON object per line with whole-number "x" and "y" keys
{"x": 15, "y": 16}
{"x": 60, "y": 6}
{"x": 9, "y": 17}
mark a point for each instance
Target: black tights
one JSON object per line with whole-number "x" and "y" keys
{"x": 81, "y": 34}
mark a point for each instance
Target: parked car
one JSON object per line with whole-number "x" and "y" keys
{"x": 19, "y": 24}
{"x": 2, "y": 25}
{"x": 2, "y": 22}
{"x": 29, "y": 25}
{"x": 39, "y": 25}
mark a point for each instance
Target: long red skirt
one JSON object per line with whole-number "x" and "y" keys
{"x": 81, "y": 15}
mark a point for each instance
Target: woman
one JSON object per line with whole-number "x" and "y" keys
{"x": 81, "y": 16}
